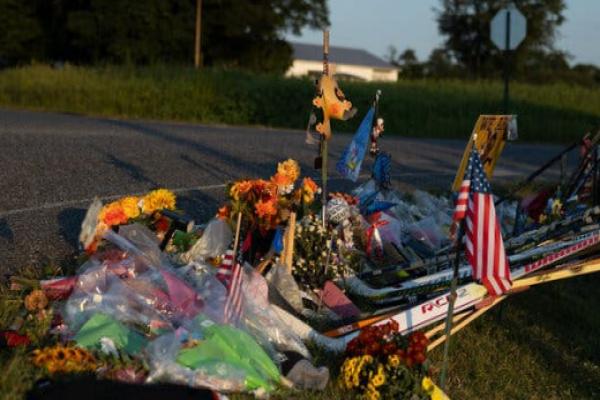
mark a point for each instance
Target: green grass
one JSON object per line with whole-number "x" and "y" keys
{"x": 541, "y": 344}
{"x": 445, "y": 108}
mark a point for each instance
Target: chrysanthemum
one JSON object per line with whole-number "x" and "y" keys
{"x": 130, "y": 206}
{"x": 159, "y": 199}
{"x": 265, "y": 208}
{"x": 36, "y": 300}
{"x": 290, "y": 168}
{"x": 309, "y": 185}
{"x": 240, "y": 188}
{"x": 113, "y": 214}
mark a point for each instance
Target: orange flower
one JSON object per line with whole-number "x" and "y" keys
{"x": 223, "y": 212}
{"x": 113, "y": 214}
{"x": 281, "y": 180}
{"x": 309, "y": 185}
{"x": 266, "y": 190}
{"x": 36, "y": 300}
{"x": 265, "y": 208}
{"x": 240, "y": 188}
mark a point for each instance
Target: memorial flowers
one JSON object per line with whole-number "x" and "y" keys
{"x": 381, "y": 363}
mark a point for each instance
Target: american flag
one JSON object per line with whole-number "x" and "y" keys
{"x": 230, "y": 274}
{"x": 483, "y": 240}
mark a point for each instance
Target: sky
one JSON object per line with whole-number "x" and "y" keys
{"x": 376, "y": 24}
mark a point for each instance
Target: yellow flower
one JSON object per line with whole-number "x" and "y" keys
{"x": 289, "y": 168}
{"x": 394, "y": 360}
{"x": 379, "y": 379}
{"x": 36, "y": 300}
{"x": 556, "y": 207}
{"x": 130, "y": 206}
{"x": 159, "y": 199}
{"x": 427, "y": 385}
{"x": 372, "y": 393}
{"x": 64, "y": 359}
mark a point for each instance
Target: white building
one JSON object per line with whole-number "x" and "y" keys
{"x": 344, "y": 62}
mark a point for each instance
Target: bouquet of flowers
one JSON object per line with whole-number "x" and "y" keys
{"x": 381, "y": 363}
{"x": 143, "y": 209}
{"x": 319, "y": 254}
{"x": 267, "y": 203}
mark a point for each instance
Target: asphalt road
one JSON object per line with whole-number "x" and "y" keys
{"x": 52, "y": 165}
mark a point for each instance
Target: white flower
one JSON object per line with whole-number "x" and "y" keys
{"x": 107, "y": 346}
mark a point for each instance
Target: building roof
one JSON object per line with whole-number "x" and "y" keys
{"x": 338, "y": 55}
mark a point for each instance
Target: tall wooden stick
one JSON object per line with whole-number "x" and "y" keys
{"x": 324, "y": 141}
{"x": 451, "y": 300}
{"x": 288, "y": 256}
{"x": 236, "y": 240}
{"x": 197, "y": 38}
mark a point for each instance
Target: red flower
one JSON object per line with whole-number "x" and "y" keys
{"x": 13, "y": 339}
{"x": 419, "y": 357}
{"x": 374, "y": 348}
{"x": 162, "y": 225}
{"x": 389, "y": 348}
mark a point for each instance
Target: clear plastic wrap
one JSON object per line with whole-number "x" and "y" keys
{"x": 214, "y": 241}
{"x": 162, "y": 355}
{"x": 426, "y": 237}
{"x": 262, "y": 322}
{"x": 284, "y": 283}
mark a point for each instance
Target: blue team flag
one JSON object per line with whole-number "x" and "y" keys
{"x": 349, "y": 164}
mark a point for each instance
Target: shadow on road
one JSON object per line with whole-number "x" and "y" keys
{"x": 69, "y": 225}
{"x": 6, "y": 232}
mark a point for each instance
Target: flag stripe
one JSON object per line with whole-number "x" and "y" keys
{"x": 483, "y": 241}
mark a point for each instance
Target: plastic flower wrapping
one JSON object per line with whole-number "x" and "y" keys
{"x": 149, "y": 301}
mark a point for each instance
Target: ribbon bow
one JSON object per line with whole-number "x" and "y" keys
{"x": 373, "y": 231}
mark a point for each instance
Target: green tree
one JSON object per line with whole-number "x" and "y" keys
{"x": 465, "y": 24}
{"x": 241, "y": 34}
{"x": 20, "y": 32}
{"x": 249, "y": 34}
{"x": 441, "y": 65}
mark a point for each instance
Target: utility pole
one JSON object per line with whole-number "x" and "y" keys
{"x": 197, "y": 42}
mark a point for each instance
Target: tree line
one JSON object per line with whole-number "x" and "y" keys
{"x": 468, "y": 52}
{"x": 237, "y": 34}
{"x": 249, "y": 35}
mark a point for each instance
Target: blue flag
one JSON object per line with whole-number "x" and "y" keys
{"x": 349, "y": 164}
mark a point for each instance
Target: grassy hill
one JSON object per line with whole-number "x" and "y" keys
{"x": 444, "y": 108}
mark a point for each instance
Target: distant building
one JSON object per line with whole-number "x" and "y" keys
{"x": 344, "y": 62}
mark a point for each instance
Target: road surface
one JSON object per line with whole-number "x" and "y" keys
{"x": 52, "y": 165}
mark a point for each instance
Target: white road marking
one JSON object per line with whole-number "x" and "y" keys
{"x": 68, "y": 203}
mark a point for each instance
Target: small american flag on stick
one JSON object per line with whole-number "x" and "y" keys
{"x": 483, "y": 240}
{"x": 231, "y": 275}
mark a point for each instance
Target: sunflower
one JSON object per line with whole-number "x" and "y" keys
{"x": 394, "y": 360}
{"x": 379, "y": 378}
{"x": 130, "y": 206}
{"x": 64, "y": 359}
{"x": 289, "y": 168}
{"x": 159, "y": 199}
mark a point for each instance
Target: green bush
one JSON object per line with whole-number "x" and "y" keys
{"x": 418, "y": 108}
